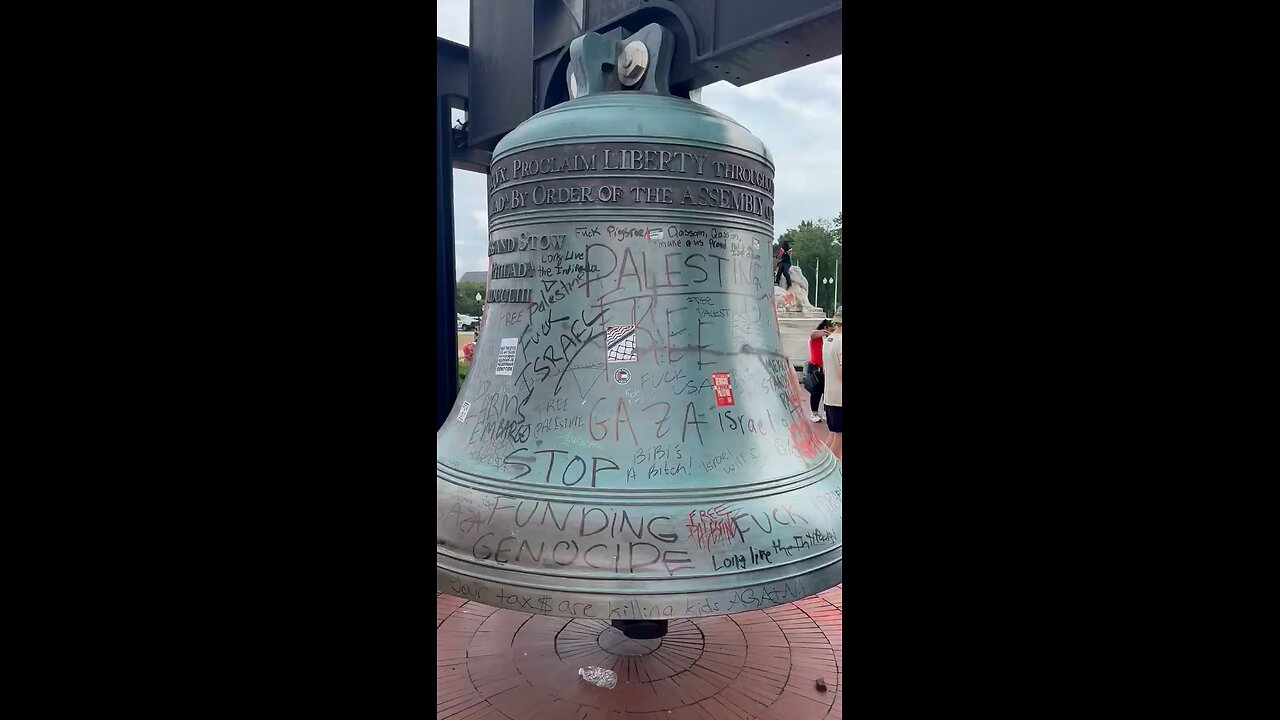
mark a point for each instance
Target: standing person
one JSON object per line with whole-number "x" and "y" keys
{"x": 784, "y": 263}
{"x": 813, "y": 380}
{"x": 833, "y": 394}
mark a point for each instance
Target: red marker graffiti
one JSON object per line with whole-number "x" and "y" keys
{"x": 711, "y": 526}
{"x": 804, "y": 439}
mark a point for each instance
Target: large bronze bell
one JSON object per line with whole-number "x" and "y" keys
{"x": 629, "y": 443}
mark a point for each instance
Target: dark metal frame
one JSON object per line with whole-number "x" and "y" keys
{"x": 452, "y": 81}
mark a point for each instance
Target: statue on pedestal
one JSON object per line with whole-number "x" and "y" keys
{"x": 795, "y": 300}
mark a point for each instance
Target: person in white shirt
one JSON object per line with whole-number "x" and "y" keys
{"x": 833, "y": 391}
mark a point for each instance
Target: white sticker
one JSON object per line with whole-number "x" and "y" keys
{"x": 620, "y": 344}
{"x": 654, "y": 234}
{"x": 507, "y": 356}
{"x": 462, "y": 414}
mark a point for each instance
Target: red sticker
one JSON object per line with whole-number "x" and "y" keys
{"x": 724, "y": 392}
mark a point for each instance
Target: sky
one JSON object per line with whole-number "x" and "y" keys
{"x": 796, "y": 114}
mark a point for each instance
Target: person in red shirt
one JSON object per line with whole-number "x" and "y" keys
{"x": 813, "y": 380}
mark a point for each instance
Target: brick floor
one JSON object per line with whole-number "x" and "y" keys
{"x": 819, "y": 427}
{"x": 494, "y": 664}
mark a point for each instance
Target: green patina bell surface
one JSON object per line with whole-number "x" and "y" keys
{"x": 630, "y": 442}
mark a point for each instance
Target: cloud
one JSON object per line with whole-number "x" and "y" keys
{"x": 470, "y": 221}
{"x": 453, "y": 20}
{"x": 797, "y": 115}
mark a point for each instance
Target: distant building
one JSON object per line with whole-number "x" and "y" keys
{"x": 475, "y": 276}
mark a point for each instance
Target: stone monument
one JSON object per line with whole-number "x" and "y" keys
{"x": 797, "y": 317}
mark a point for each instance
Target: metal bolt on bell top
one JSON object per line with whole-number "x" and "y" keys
{"x": 632, "y": 63}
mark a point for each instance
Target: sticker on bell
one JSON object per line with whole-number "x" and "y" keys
{"x": 654, "y": 233}
{"x": 507, "y": 356}
{"x": 620, "y": 344}
{"x": 462, "y": 414}
{"x": 723, "y": 391}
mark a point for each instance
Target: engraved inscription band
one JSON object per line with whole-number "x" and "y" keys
{"x": 631, "y": 176}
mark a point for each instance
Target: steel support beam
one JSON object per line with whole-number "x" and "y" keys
{"x": 444, "y": 328}
{"x": 472, "y": 160}
{"x": 453, "y": 73}
{"x": 452, "y": 87}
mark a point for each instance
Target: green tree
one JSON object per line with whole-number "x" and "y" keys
{"x": 464, "y": 298}
{"x": 817, "y": 244}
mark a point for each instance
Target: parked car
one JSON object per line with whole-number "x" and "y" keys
{"x": 467, "y": 322}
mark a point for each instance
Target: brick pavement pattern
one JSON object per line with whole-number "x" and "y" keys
{"x": 497, "y": 664}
